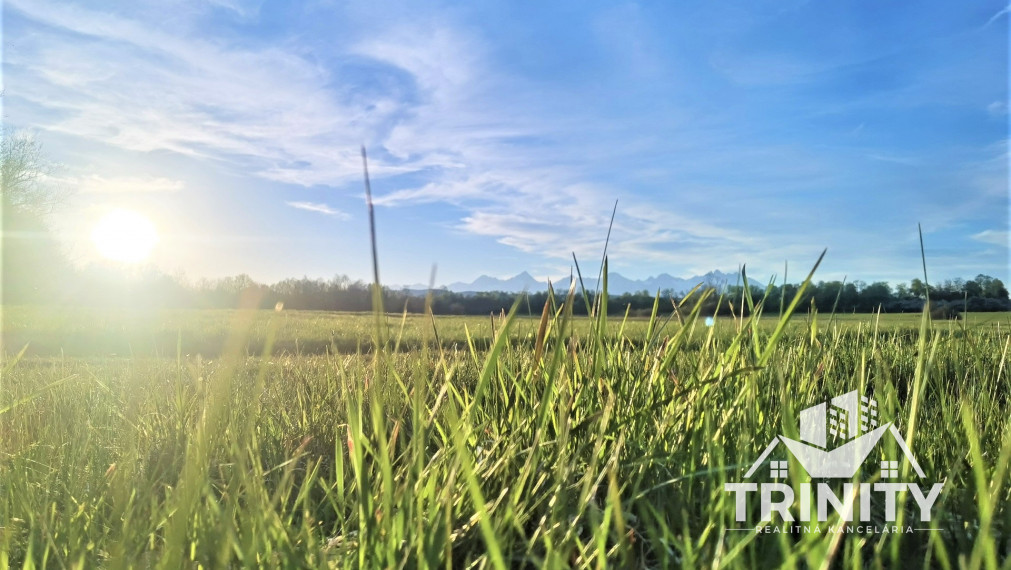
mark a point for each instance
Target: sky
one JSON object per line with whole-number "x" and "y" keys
{"x": 501, "y": 134}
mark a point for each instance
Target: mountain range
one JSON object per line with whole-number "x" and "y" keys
{"x": 617, "y": 284}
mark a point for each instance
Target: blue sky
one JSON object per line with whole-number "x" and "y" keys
{"x": 500, "y": 134}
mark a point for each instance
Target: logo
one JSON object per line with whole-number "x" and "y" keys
{"x": 836, "y": 440}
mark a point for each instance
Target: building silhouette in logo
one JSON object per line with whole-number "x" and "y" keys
{"x": 835, "y": 439}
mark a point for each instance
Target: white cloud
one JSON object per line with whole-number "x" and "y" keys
{"x": 245, "y": 9}
{"x": 275, "y": 112}
{"x": 537, "y": 202}
{"x": 126, "y": 83}
{"x": 513, "y": 154}
{"x": 442, "y": 61}
{"x": 903, "y": 160}
{"x": 995, "y": 17}
{"x": 995, "y": 237}
{"x": 97, "y": 184}
{"x": 987, "y": 176}
{"x": 320, "y": 208}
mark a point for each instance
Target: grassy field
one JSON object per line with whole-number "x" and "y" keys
{"x": 189, "y": 439}
{"x": 86, "y": 332}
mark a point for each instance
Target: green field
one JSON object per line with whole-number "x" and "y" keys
{"x": 189, "y": 439}
{"x": 82, "y": 332}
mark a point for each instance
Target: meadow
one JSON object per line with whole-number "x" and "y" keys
{"x": 94, "y": 332}
{"x": 210, "y": 439}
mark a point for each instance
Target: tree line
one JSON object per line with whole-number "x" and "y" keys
{"x": 947, "y": 298}
{"x": 34, "y": 271}
{"x": 96, "y": 287}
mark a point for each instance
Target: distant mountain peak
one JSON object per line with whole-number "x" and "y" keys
{"x": 617, "y": 284}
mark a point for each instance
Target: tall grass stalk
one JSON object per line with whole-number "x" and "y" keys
{"x": 550, "y": 442}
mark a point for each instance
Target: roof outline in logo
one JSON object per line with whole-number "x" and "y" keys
{"x": 848, "y": 416}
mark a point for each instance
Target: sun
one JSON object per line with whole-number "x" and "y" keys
{"x": 125, "y": 236}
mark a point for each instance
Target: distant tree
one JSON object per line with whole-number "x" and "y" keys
{"x": 917, "y": 288}
{"x": 996, "y": 290}
{"x": 990, "y": 287}
{"x": 902, "y": 291}
{"x": 23, "y": 172}
{"x": 788, "y": 292}
{"x": 972, "y": 289}
{"x": 985, "y": 283}
{"x": 875, "y": 295}
{"x": 849, "y": 299}
{"x": 825, "y": 294}
{"x": 32, "y": 260}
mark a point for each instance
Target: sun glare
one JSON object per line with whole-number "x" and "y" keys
{"x": 125, "y": 236}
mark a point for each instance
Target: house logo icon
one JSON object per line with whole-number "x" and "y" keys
{"x": 835, "y": 439}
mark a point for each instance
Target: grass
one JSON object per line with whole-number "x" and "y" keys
{"x": 279, "y": 439}
{"x": 88, "y": 332}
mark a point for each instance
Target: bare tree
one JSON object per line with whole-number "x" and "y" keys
{"x": 32, "y": 267}
{"x": 23, "y": 174}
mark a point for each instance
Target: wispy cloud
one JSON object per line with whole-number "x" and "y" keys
{"x": 995, "y": 17}
{"x": 246, "y": 9}
{"x": 903, "y": 160}
{"x": 995, "y": 237}
{"x": 720, "y": 150}
{"x": 320, "y": 208}
{"x": 104, "y": 77}
{"x": 537, "y": 202}
{"x": 98, "y": 184}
